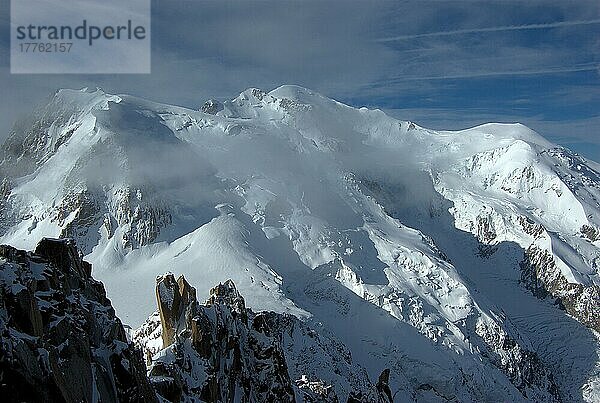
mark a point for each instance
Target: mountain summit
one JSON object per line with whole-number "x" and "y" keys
{"x": 465, "y": 262}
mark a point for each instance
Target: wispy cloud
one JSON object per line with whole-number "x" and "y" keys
{"x": 556, "y": 70}
{"x": 557, "y": 24}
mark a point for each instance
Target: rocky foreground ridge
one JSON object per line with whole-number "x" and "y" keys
{"x": 222, "y": 351}
{"x": 61, "y": 341}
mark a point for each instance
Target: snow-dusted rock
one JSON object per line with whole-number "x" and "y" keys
{"x": 222, "y": 351}
{"x": 61, "y": 340}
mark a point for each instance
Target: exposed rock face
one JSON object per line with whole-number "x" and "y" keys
{"x": 4, "y": 191}
{"x": 523, "y": 367}
{"x": 169, "y": 306}
{"x": 81, "y": 225}
{"x": 383, "y": 387}
{"x": 591, "y": 233}
{"x": 543, "y": 278}
{"x": 222, "y": 351}
{"x": 211, "y": 353}
{"x": 61, "y": 340}
{"x": 212, "y": 107}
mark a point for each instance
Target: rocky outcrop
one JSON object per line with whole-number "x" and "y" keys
{"x": 212, "y": 352}
{"x": 383, "y": 386}
{"x": 211, "y": 107}
{"x": 140, "y": 220}
{"x": 591, "y": 233}
{"x": 222, "y": 351}
{"x": 522, "y": 366}
{"x": 79, "y": 215}
{"x": 543, "y": 278}
{"x": 61, "y": 340}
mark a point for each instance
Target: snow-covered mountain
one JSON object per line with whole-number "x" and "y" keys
{"x": 467, "y": 262}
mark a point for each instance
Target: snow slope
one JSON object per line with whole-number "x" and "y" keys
{"x": 466, "y": 262}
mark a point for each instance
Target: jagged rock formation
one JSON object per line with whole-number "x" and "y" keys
{"x": 61, "y": 340}
{"x": 222, "y": 351}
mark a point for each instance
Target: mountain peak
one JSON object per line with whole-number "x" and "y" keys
{"x": 295, "y": 92}
{"x": 83, "y": 99}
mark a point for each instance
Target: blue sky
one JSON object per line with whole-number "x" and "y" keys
{"x": 442, "y": 64}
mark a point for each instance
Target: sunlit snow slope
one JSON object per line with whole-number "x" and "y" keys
{"x": 466, "y": 262}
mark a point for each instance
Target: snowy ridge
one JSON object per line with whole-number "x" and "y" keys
{"x": 335, "y": 215}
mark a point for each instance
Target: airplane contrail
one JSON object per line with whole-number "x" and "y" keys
{"x": 491, "y": 29}
{"x": 557, "y": 70}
